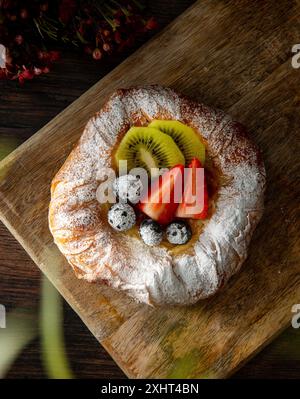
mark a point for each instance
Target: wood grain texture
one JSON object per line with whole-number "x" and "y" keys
{"x": 227, "y": 54}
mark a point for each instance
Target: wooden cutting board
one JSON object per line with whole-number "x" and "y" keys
{"x": 235, "y": 55}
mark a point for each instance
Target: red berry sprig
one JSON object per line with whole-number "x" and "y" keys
{"x": 31, "y": 29}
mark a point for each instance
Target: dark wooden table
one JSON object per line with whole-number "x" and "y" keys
{"x": 22, "y": 112}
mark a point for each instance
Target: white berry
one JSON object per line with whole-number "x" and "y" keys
{"x": 178, "y": 233}
{"x": 128, "y": 188}
{"x": 121, "y": 217}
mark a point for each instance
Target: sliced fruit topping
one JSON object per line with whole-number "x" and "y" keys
{"x": 121, "y": 217}
{"x": 184, "y": 136}
{"x": 178, "y": 233}
{"x": 151, "y": 232}
{"x": 165, "y": 194}
{"x": 148, "y": 148}
{"x": 195, "y": 198}
{"x": 128, "y": 188}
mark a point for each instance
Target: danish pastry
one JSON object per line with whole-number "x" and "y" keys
{"x": 177, "y": 259}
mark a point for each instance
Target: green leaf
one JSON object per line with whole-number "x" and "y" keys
{"x": 80, "y": 37}
{"x": 21, "y": 329}
{"x": 7, "y": 145}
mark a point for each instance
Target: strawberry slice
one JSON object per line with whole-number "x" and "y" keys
{"x": 195, "y": 196}
{"x": 165, "y": 194}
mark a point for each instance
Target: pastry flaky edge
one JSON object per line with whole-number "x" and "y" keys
{"x": 154, "y": 275}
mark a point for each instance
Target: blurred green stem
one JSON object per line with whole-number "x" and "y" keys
{"x": 52, "y": 335}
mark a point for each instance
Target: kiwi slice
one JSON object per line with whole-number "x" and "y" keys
{"x": 184, "y": 136}
{"x": 146, "y": 147}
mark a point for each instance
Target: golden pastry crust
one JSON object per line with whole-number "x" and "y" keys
{"x": 156, "y": 275}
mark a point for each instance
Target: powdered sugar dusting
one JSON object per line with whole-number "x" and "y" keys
{"x": 153, "y": 274}
{"x": 78, "y": 219}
